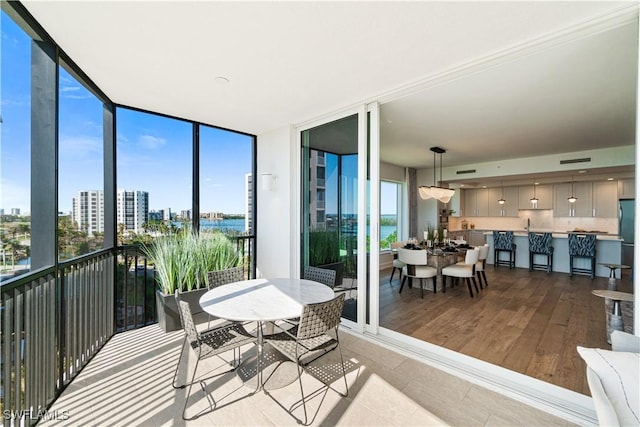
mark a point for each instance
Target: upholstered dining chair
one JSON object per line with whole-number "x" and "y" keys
{"x": 315, "y": 335}
{"x": 212, "y": 342}
{"x": 397, "y": 264}
{"x": 481, "y": 265}
{"x": 416, "y": 267}
{"x": 466, "y": 270}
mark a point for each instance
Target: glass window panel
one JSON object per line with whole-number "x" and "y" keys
{"x": 389, "y": 213}
{"x": 226, "y": 182}
{"x": 80, "y": 169}
{"x": 15, "y": 149}
{"x": 154, "y": 174}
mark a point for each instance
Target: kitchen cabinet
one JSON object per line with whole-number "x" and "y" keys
{"x": 583, "y": 206}
{"x": 544, "y": 193}
{"x": 476, "y": 202}
{"x": 510, "y": 207}
{"x": 627, "y": 188}
{"x": 605, "y": 199}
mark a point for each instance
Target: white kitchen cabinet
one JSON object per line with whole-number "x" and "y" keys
{"x": 605, "y": 199}
{"x": 476, "y": 202}
{"x": 544, "y": 193}
{"x": 627, "y": 188}
{"x": 582, "y": 207}
{"x": 510, "y": 207}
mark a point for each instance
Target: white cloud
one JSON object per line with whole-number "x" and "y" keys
{"x": 80, "y": 146}
{"x": 151, "y": 142}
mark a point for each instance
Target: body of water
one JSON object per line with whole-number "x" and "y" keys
{"x": 236, "y": 224}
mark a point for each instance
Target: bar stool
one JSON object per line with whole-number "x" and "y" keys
{"x": 503, "y": 242}
{"x": 582, "y": 246}
{"x": 540, "y": 244}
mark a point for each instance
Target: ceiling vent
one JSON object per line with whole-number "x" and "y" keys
{"x": 583, "y": 160}
{"x": 467, "y": 171}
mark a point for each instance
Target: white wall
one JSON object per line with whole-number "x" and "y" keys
{"x": 276, "y": 215}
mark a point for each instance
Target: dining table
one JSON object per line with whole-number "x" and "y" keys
{"x": 263, "y": 301}
{"x": 438, "y": 259}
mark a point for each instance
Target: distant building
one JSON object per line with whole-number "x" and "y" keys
{"x": 248, "y": 211}
{"x": 1, "y": 212}
{"x": 132, "y": 209}
{"x": 185, "y": 214}
{"x": 88, "y": 211}
{"x": 155, "y": 216}
{"x": 15, "y": 211}
{"x": 166, "y": 214}
{"x": 317, "y": 189}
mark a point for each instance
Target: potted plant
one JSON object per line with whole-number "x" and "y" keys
{"x": 181, "y": 262}
{"x": 324, "y": 251}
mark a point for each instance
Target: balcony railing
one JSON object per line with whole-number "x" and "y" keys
{"x": 54, "y": 320}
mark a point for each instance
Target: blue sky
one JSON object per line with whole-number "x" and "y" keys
{"x": 154, "y": 153}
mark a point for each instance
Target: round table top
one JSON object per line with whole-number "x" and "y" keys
{"x": 264, "y": 299}
{"x": 615, "y": 295}
{"x": 606, "y": 264}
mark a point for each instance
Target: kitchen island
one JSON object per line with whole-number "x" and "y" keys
{"x": 608, "y": 250}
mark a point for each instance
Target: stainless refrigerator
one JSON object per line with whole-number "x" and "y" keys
{"x": 627, "y": 216}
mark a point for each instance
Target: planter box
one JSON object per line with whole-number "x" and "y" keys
{"x": 339, "y": 269}
{"x": 168, "y": 316}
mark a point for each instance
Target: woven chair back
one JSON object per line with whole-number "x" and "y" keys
{"x": 186, "y": 318}
{"x": 318, "y": 318}
{"x": 322, "y": 275}
{"x": 222, "y": 277}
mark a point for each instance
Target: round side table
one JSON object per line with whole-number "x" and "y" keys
{"x": 612, "y": 273}
{"x": 615, "y": 323}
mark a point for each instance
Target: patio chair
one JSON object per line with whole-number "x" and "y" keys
{"x": 308, "y": 341}
{"x": 322, "y": 275}
{"x": 222, "y": 277}
{"x": 206, "y": 344}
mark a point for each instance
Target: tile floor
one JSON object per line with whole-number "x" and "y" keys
{"x": 128, "y": 383}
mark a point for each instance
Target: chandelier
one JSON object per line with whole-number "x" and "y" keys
{"x": 435, "y": 192}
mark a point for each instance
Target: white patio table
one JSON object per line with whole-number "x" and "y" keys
{"x": 263, "y": 300}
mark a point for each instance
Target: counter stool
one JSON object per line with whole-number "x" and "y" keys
{"x": 582, "y": 246}
{"x": 503, "y": 242}
{"x": 540, "y": 244}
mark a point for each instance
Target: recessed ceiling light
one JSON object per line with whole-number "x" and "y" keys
{"x": 582, "y": 171}
{"x": 536, "y": 183}
{"x": 221, "y": 80}
{"x": 609, "y": 179}
{"x": 484, "y": 186}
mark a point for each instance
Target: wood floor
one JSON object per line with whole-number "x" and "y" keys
{"x": 529, "y": 322}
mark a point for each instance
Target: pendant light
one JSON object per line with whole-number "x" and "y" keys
{"x": 534, "y": 199}
{"x": 501, "y": 201}
{"x": 572, "y": 198}
{"x": 435, "y": 192}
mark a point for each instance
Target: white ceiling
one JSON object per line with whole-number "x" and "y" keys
{"x": 288, "y": 62}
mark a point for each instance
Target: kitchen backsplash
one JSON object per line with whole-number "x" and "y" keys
{"x": 541, "y": 220}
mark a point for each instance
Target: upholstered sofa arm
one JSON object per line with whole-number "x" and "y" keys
{"x": 622, "y": 341}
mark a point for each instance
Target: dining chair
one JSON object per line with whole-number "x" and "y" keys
{"x": 322, "y": 275}
{"x": 416, "y": 267}
{"x": 315, "y": 335}
{"x": 212, "y": 342}
{"x": 397, "y": 264}
{"x": 222, "y": 277}
{"x": 481, "y": 265}
{"x": 466, "y": 270}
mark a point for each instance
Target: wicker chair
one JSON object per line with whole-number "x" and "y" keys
{"x": 206, "y": 344}
{"x": 322, "y": 275}
{"x": 222, "y": 277}
{"x": 310, "y": 337}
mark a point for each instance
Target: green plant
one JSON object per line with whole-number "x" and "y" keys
{"x": 183, "y": 260}
{"x": 324, "y": 247}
